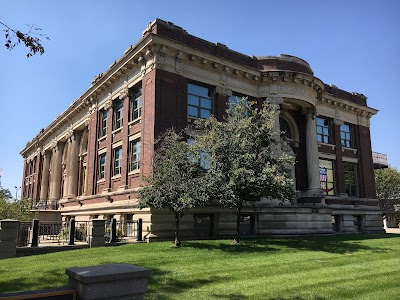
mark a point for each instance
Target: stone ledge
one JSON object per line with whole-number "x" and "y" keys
{"x": 104, "y": 273}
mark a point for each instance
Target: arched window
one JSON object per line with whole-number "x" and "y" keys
{"x": 285, "y": 128}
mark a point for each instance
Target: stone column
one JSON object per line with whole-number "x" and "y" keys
{"x": 98, "y": 232}
{"x": 8, "y": 238}
{"x": 275, "y": 103}
{"x": 56, "y": 171}
{"x": 314, "y": 186}
{"x": 73, "y": 168}
{"x": 45, "y": 176}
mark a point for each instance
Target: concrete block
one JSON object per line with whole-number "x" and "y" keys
{"x": 110, "y": 281}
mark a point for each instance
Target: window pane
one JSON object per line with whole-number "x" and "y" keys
{"x": 193, "y": 100}
{"x": 205, "y": 113}
{"x": 320, "y": 122}
{"x": 205, "y": 103}
{"x": 198, "y": 90}
{"x": 192, "y": 111}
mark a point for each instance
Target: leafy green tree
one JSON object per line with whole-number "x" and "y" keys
{"x": 31, "y": 38}
{"x": 177, "y": 181}
{"x": 15, "y": 209}
{"x": 244, "y": 162}
{"x": 387, "y": 185}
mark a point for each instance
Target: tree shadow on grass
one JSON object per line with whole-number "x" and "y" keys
{"x": 338, "y": 244}
{"x": 42, "y": 280}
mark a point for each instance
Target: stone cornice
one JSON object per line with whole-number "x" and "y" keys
{"x": 100, "y": 84}
{"x": 347, "y": 105}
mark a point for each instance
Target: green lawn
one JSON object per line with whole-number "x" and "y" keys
{"x": 322, "y": 267}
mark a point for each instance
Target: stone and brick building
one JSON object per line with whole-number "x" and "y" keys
{"x": 88, "y": 163}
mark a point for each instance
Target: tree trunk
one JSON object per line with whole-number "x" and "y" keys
{"x": 237, "y": 236}
{"x": 177, "y": 238}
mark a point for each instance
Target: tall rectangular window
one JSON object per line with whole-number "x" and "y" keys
{"x": 326, "y": 177}
{"x": 118, "y": 113}
{"x": 323, "y": 130}
{"x": 350, "y": 179}
{"x": 102, "y": 166}
{"x": 199, "y": 101}
{"x": 117, "y": 161}
{"x": 136, "y": 104}
{"x": 345, "y": 136}
{"x": 103, "y": 123}
{"x": 134, "y": 155}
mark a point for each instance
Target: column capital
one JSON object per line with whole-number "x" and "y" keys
{"x": 309, "y": 112}
{"x": 274, "y": 100}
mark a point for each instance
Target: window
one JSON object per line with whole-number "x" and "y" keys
{"x": 323, "y": 130}
{"x": 345, "y": 135}
{"x": 326, "y": 177}
{"x": 134, "y": 155}
{"x": 203, "y": 160}
{"x": 103, "y": 123}
{"x": 285, "y": 128}
{"x": 199, "y": 101}
{"x": 136, "y": 104}
{"x": 246, "y": 224}
{"x": 118, "y": 113}
{"x": 203, "y": 224}
{"x": 102, "y": 166}
{"x": 350, "y": 179}
{"x": 117, "y": 159}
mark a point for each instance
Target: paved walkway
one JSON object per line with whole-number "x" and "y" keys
{"x": 393, "y": 230}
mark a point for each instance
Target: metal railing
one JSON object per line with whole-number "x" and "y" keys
{"x": 69, "y": 232}
{"x": 124, "y": 231}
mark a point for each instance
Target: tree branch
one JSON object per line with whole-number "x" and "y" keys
{"x": 31, "y": 39}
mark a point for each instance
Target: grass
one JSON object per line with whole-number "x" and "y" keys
{"x": 299, "y": 268}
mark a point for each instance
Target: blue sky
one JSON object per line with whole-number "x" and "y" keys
{"x": 352, "y": 44}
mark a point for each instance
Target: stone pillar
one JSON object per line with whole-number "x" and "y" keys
{"x": 125, "y": 139}
{"x": 98, "y": 231}
{"x": 45, "y": 177}
{"x": 110, "y": 281}
{"x": 56, "y": 171}
{"x": 314, "y": 186}
{"x": 8, "y": 238}
{"x": 73, "y": 168}
{"x": 275, "y": 103}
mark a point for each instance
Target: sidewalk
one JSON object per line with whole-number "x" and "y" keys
{"x": 393, "y": 230}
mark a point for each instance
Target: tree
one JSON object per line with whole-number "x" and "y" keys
{"x": 387, "y": 185}
{"x": 31, "y": 39}
{"x": 14, "y": 209}
{"x": 177, "y": 181}
{"x": 244, "y": 162}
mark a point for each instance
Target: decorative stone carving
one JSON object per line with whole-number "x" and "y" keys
{"x": 223, "y": 91}
{"x": 125, "y": 91}
{"x": 108, "y": 102}
{"x": 309, "y": 111}
{"x": 179, "y": 62}
{"x": 70, "y": 132}
{"x": 337, "y": 121}
{"x": 274, "y": 100}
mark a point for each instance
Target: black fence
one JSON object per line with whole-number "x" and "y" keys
{"x": 70, "y": 232}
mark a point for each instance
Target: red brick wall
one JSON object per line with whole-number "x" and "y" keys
{"x": 365, "y": 164}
